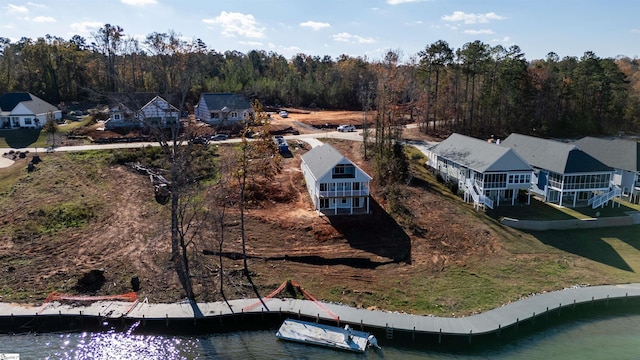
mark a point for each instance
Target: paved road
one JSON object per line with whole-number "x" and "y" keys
{"x": 313, "y": 139}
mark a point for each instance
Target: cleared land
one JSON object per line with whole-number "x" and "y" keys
{"x": 77, "y": 213}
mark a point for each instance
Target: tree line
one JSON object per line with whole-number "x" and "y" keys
{"x": 478, "y": 89}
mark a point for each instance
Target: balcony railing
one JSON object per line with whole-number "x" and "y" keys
{"x": 343, "y": 193}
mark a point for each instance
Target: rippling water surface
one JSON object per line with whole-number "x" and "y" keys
{"x": 612, "y": 338}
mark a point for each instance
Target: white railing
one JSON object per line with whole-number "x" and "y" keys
{"x": 343, "y": 193}
{"x": 471, "y": 189}
{"x": 478, "y": 197}
{"x": 602, "y": 199}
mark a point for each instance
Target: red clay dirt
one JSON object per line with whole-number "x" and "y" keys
{"x": 286, "y": 239}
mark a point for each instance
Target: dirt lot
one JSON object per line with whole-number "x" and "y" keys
{"x": 346, "y": 259}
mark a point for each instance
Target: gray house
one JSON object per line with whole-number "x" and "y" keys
{"x": 220, "y": 108}
{"x": 620, "y": 154}
{"x": 336, "y": 185}
{"x": 25, "y": 110}
{"x": 488, "y": 174}
{"x": 564, "y": 173}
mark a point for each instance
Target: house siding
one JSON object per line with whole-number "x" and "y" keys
{"x": 335, "y": 192}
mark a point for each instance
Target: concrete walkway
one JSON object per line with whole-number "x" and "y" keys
{"x": 488, "y": 322}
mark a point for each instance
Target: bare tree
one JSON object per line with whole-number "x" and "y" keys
{"x": 51, "y": 127}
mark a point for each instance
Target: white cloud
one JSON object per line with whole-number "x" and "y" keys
{"x": 399, "y": 2}
{"x": 461, "y": 16}
{"x": 354, "y": 39}
{"x": 251, "y": 43}
{"x": 139, "y": 2}
{"x": 505, "y": 40}
{"x": 479, "y": 32}
{"x": 315, "y": 25}
{"x": 15, "y": 9}
{"x": 237, "y": 24}
{"x": 85, "y": 28}
{"x": 36, "y": 5}
{"x": 44, "y": 19}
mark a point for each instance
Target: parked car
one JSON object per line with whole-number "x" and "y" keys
{"x": 284, "y": 114}
{"x": 199, "y": 140}
{"x": 219, "y": 137}
{"x": 346, "y": 128}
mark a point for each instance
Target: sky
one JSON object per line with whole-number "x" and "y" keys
{"x": 358, "y": 28}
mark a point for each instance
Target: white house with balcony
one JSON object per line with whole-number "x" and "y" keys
{"x": 487, "y": 174}
{"x": 336, "y": 185}
{"x": 623, "y": 156}
{"x": 564, "y": 174}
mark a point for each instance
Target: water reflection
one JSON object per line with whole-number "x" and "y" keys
{"x": 610, "y": 338}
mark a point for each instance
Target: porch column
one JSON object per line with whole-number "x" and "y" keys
{"x": 561, "y": 193}
{"x": 513, "y": 197}
{"x": 368, "y": 203}
{"x": 575, "y": 197}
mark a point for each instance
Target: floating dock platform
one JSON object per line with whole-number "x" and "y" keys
{"x": 324, "y": 335}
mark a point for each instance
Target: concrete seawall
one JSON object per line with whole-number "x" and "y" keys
{"x": 539, "y": 225}
{"x": 247, "y": 314}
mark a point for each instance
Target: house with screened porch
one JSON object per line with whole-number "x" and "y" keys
{"x": 336, "y": 185}
{"x": 623, "y": 156}
{"x": 487, "y": 174}
{"x": 563, "y": 173}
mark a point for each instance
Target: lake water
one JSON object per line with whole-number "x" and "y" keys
{"x": 607, "y": 338}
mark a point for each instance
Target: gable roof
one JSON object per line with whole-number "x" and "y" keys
{"x": 556, "y": 156}
{"x": 217, "y": 101}
{"x": 618, "y": 153}
{"x": 9, "y": 101}
{"x": 159, "y": 101}
{"x": 136, "y": 101}
{"x": 479, "y": 155}
{"x": 321, "y": 159}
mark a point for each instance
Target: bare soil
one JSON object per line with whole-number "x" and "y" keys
{"x": 347, "y": 259}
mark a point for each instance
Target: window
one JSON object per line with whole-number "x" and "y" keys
{"x": 324, "y": 203}
{"x": 323, "y": 187}
{"x": 493, "y": 181}
{"x": 356, "y": 202}
{"x": 343, "y": 200}
{"x": 117, "y": 117}
{"x": 519, "y": 178}
{"x": 234, "y": 114}
{"x": 344, "y": 171}
{"x": 27, "y": 121}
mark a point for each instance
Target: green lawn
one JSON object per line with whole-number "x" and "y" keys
{"x": 24, "y": 138}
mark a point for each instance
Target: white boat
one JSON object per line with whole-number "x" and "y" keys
{"x": 325, "y": 335}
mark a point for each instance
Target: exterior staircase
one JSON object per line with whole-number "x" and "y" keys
{"x": 602, "y": 199}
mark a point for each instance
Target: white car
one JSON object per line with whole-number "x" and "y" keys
{"x": 283, "y": 114}
{"x": 346, "y": 128}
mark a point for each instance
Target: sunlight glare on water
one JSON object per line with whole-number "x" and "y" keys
{"x": 107, "y": 345}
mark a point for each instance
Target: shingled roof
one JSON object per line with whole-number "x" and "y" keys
{"x": 321, "y": 159}
{"x": 618, "y": 153}
{"x": 217, "y": 101}
{"x": 9, "y": 101}
{"x": 556, "y": 156}
{"x": 479, "y": 155}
